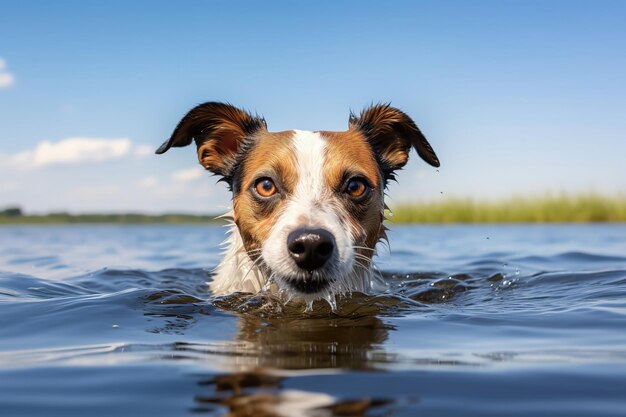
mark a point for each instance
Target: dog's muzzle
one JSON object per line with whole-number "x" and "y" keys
{"x": 310, "y": 248}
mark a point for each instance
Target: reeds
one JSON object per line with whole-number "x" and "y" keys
{"x": 585, "y": 208}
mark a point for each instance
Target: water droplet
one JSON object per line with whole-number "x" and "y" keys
{"x": 115, "y": 326}
{"x": 309, "y": 306}
{"x": 332, "y": 302}
{"x": 390, "y": 213}
{"x": 266, "y": 286}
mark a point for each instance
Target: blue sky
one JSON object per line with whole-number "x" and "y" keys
{"x": 517, "y": 98}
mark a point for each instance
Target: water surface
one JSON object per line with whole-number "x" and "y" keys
{"x": 478, "y": 320}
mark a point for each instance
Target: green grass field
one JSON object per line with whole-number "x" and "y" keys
{"x": 549, "y": 209}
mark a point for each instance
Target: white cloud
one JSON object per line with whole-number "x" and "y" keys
{"x": 73, "y": 151}
{"x": 187, "y": 175}
{"x": 141, "y": 151}
{"x": 6, "y": 78}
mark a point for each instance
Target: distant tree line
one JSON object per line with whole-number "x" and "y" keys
{"x": 12, "y": 212}
{"x": 15, "y": 215}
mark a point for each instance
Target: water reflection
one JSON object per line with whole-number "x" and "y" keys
{"x": 261, "y": 394}
{"x": 272, "y": 334}
{"x": 272, "y": 341}
{"x": 285, "y": 340}
{"x": 332, "y": 342}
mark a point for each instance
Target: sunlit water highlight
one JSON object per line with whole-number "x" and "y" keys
{"x": 477, "y": 320}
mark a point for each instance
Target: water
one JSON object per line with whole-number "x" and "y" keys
{"x": 478, "y": 321}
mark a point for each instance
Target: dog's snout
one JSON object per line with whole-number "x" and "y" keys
{"x": 310, "y": 248}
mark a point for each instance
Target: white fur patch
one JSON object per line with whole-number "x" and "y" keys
{"x": 312, "y": 205}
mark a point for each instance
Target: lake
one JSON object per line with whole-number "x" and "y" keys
{"x": 482, "y": 320}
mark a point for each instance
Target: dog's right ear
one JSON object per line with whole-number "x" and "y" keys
{"x": 219, "y": 130}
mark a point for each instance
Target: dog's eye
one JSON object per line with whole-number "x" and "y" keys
{"x": 265, "y": 187}
{"x": 356, "y": 188}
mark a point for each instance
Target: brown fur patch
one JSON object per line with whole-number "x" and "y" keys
{"x": 228, "y": 132}
{"x": 380, "y": 122}
{"x": 212, "y": 156}
{"x": 349, "y": 152}
{"x": 218, "y": 129}
{"x": 272, "y": 155}
{"x": 392, "y": 133}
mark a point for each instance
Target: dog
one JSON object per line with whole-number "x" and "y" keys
{"x": 308, "y": 206}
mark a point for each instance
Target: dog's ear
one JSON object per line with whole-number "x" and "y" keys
{"x": 219, "y": 130}
{"x": 392, "y": 133}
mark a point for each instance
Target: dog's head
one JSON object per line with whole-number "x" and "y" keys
{"x": 308, "y": 205}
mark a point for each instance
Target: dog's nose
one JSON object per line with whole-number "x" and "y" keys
{"x": 310, "y": 248}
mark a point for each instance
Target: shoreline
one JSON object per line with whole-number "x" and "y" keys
{"x": 576, "y": 209}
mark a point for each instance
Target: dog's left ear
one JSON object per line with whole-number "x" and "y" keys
{"x": 392, "y": 133}
{"x": 219, "y": 130}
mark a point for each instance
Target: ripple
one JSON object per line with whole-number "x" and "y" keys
{"x": 192, "y": 281}
{"x": 25, "y": 287}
